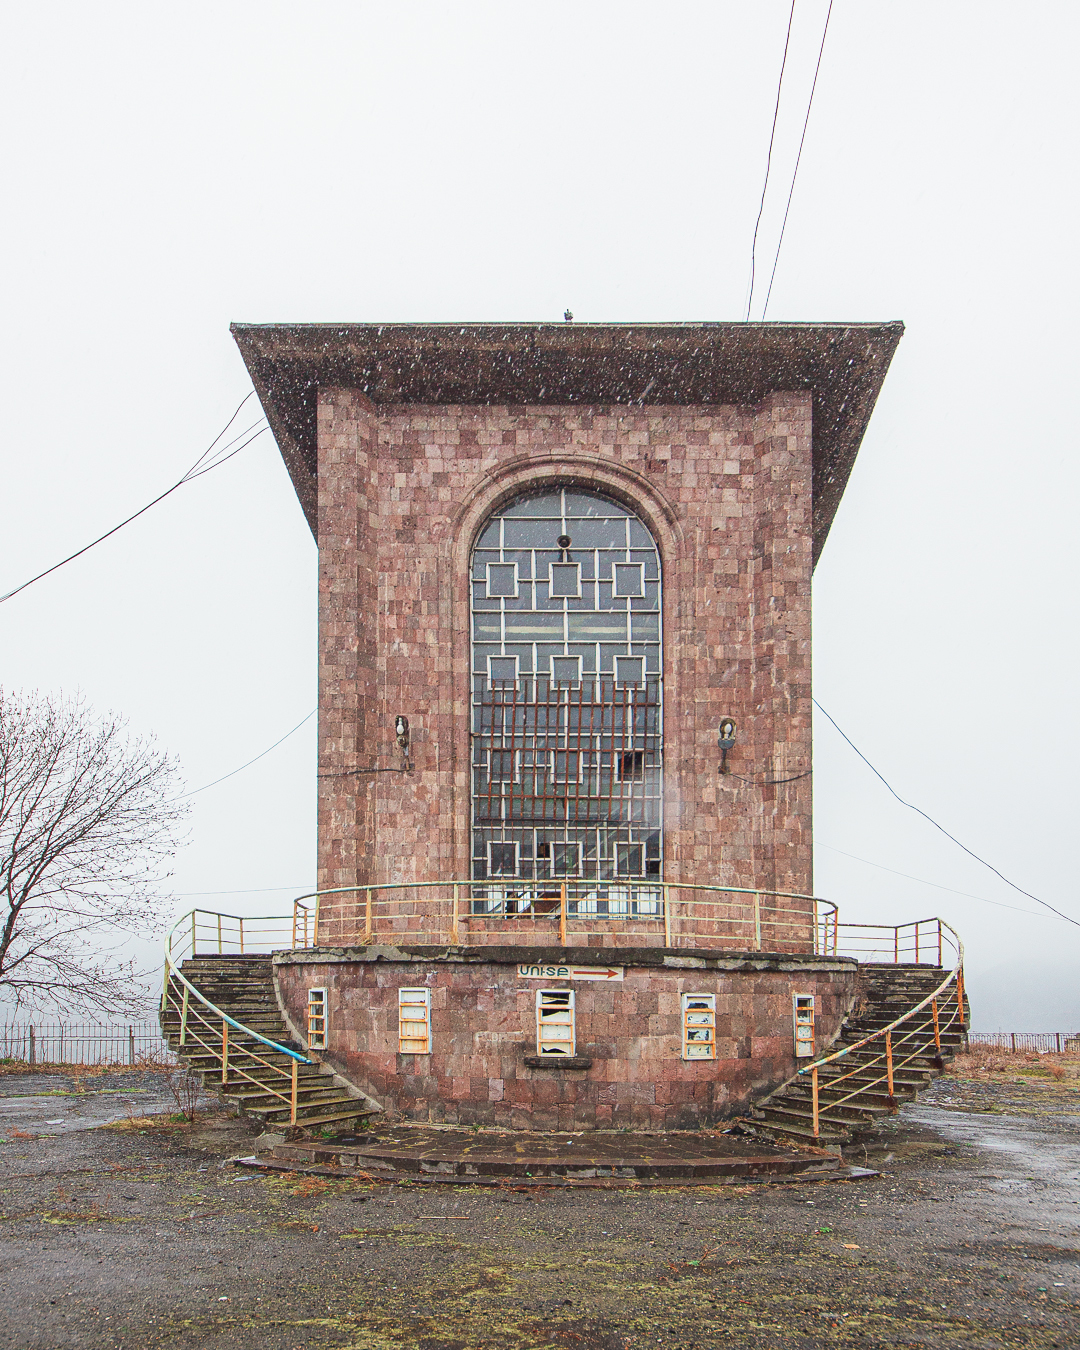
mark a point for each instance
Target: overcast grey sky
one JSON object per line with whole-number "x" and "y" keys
{"x": 167, "y": 171}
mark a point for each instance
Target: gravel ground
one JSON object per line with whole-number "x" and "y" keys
{"x": 145, "y": 1235}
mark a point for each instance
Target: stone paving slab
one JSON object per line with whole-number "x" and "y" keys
{"x": 469, "y": 1154}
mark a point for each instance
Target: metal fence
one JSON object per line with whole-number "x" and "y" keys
{"x": 1045, "y": 1042}
{"x": 83, "y": 1043}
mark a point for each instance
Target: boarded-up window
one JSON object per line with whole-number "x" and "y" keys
{"x": 555, "y": 1022}
{"x": 699, "y": 1026}
{"x": 414, "y": 1021}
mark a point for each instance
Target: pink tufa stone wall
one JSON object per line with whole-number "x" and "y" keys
{"x": 483, "y": 1024}
{"x": 402, "y": 494}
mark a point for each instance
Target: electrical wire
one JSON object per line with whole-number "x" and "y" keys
{"x": 768, "y": 782}
{"x": 798, "y": 160}
{"x": 936, "y": 884}
{"x": 213, "y": 457}
{"x": 248, "y": 765}
{"x": 919, "y": 811}
{"x": 768, "y": 162}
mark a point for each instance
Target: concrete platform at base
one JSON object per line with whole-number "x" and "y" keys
{"x": 480, "y": 1157}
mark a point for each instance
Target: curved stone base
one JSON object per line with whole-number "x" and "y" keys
{"x": 481, "y": 1068}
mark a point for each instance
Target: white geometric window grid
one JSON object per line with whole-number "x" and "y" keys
{"x": 699, "y": 1026}
{"x": 629, "y": 580}
{"x": 566, "y": 670}
{"x": 502, "y": 859}
{"x": 414, "y": 1021}
{"x": 629, "y": 672}
{"x": 502, "y": 671}
{"x": 555, "y": 1031}
{"x": 565, "y": 581}
{"x": 502, "y": 580}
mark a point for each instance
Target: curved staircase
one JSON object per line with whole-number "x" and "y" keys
{"x": 251, "y": 1075}
{"x": 857, "y": 1087}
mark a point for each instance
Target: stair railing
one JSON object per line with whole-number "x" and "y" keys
{"x": 946, "y": 937}
{"x": 206, "y": 1025}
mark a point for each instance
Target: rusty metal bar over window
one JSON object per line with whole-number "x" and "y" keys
{"x": 566, "y": 707}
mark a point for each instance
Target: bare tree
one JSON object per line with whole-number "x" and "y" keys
{"x": 88, "y": 823}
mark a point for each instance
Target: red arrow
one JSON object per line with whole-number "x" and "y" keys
{"x": 606, "y": 971}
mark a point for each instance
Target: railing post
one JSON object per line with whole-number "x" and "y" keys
{"x": 193, "y": 938}
{"x": 896, "y": 945}
{"x": 219, "y": 935}
{"x": 241, "y": 937}
{"x": 295, "y": 1079}
{"x": 835, "y": 932}
{"x": 939, "y": 942}
{"x": 937, "y": 1026}
{"x": 917, "y": 926}
{"x": 225, "y": 1052}
{"x": 562, "y": 915}
{"x": 757, "y": 921}
{"x": 165, "y": 987}
{"x": 131, "y": 1046}
{"x": 183, "y": 1017}
{"x": 33, "y": 1045}
{"x": 960, "y": 992}
{"x": 315, "y": 933}
{"x": 667, "y": 914}
{"x": 369, "y": 919}
{"x": 814, "y": 1088}
{"x": 889, "y": 1068}
{"x": 294, "y": 926}
{"x": 306, "y": 928}
{"x": 454, "y": 919}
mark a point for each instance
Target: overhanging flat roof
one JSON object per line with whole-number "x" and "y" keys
{"x": 529, "y": 364}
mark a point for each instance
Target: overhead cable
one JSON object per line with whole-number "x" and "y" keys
{"x": 798, "y": 160}
{"x": 233, "y": 772}
{"x": 936, "y": 884}
{"x": 919, "y": 811}
{"x": 768, "y": 162}
{"x": 211, "y": 458}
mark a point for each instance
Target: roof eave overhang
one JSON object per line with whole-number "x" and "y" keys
{"x": 559, "y": 365}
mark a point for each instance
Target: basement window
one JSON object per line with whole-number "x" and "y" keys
{"x": 699, "y": 1026}
{"x": 555, "y": 1022}
{"x": 414, "y": 1021}
{"x": 316, "y": 1019}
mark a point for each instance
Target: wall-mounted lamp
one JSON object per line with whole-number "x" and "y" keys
{"x": 726, "y": 741}
{"x": 401, "y": 730}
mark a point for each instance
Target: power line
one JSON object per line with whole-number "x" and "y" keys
{"x": 211, "y": 458}
{"x": 252, "y": 890}
{"x": 936, "y": 884}
{"x": 919, "y": 811}
{"x": 798, "y": 159}
{"x": 768, "y": 162}
{"x": 248, "y": 765}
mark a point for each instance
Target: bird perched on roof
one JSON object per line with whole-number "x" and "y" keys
{"x": 568, "y": 316}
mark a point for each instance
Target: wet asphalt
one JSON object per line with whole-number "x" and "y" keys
{"x": 143, "y": 1234}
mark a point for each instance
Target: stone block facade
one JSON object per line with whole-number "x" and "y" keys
{"x": 483, "y": 1025}
{"x": 403, "y": 491}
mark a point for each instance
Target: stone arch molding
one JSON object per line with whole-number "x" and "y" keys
{"x": 590, "y": 473}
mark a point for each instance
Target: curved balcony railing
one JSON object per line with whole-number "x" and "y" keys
{"x": 566, "y": 913}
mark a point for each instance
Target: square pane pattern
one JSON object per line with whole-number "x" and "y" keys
{"x": 567, "y": 690}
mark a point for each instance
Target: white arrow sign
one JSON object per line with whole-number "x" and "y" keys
{"x": 570, "y": 972}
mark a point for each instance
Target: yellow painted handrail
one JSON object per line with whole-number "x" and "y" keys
{"x": 886, "y": 1034}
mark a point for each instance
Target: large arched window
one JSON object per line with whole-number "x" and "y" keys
{"x": 566, "y": 692}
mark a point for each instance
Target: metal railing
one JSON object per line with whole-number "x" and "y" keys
{"x": 84, "y": 1043}
{"x": 900, "y": 1043}
{"x": 204, "y": 1024}
{"x": 568, "y": 912}
{"x": 1037, "y": 1042}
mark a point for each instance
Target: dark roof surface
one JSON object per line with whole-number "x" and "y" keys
{"x": 670, "y": 364}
